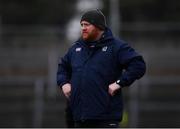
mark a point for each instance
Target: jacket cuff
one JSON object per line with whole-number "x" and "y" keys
{"x": 61, "y": 84}
{"x": 121, "y": 82}
{"x": 125, "y": 82}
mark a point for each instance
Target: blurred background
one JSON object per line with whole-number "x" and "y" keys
{"x": 35, "y": 34}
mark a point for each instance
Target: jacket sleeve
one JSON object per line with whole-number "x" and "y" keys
{"x": 133, "y": 64}
{"x": 64, "y": 70}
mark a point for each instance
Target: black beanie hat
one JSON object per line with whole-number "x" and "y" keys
{"x": 95, "y": 17}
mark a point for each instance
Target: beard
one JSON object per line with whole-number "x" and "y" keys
{"x": 88, "y": 36}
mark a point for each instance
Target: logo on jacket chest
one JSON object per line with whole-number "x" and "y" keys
{"x": 78, "y": 49}
{"x": 104, "y": 48}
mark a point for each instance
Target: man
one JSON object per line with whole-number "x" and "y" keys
{"x": 94, "y": 71}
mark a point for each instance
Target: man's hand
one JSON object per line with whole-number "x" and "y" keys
{"x": 113, "y": 88}
{"x": 66, "y": 88}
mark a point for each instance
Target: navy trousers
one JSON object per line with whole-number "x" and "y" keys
{"x": 97, "y": 124}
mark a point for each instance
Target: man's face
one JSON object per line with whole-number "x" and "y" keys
{"x": 88, "y": 31}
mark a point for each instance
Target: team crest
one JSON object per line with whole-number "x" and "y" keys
{"x": 104, "y": 48}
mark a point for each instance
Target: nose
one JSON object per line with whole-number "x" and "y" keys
{"x": 83, "y": 27}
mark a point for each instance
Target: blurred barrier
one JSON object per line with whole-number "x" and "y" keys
{"x": 39, "y": 103}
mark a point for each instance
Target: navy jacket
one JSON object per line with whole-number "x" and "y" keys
{"x": 90, "y": 68}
